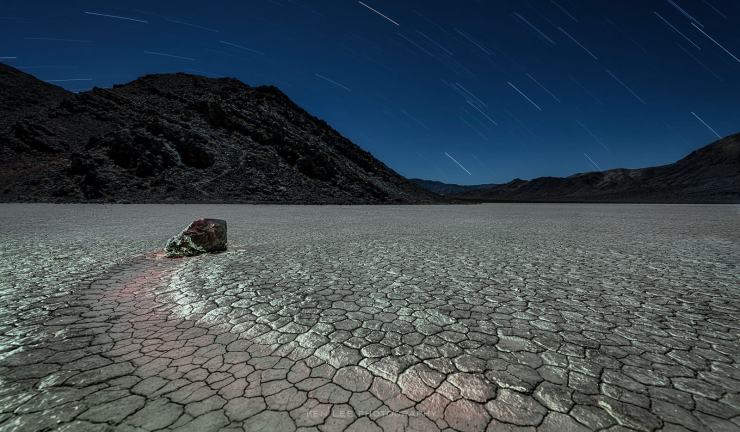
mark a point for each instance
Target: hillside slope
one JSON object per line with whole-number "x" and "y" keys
{"x": 710, "y": 174}
{"x": 180, "y": 138}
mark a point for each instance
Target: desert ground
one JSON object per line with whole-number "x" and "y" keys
{"x": 498, "y": 317}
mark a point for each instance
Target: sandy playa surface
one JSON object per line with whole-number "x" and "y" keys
{"x": 392, "y": 318}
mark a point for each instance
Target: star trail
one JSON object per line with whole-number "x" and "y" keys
{"x": 511, "y": 88}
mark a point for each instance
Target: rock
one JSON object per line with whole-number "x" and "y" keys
{"x": 201, "y": 236}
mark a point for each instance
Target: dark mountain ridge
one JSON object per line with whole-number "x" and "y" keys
{"x": 180, "y": 138}
{"x": 447, "y": 189}
{"x": 710, "y": 174}
{"x": 185, "y": 138}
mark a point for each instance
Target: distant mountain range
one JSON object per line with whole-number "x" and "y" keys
{"x": 180, "y": 138}
{"x": 185, "y": 138}
{"x": 708, "y": 175}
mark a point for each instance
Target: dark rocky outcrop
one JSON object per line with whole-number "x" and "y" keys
{"x": 710, "y": 174}
{"x": 201, "y": 236}
{"x": 180, "y": 138}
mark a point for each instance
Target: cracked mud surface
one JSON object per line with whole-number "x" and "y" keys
{"x": 466, "y": 318}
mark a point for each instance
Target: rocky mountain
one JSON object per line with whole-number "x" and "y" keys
{"x": 708, "y": 175}
{"x": 447, "y": 189}
{"x": 180, "y": 138}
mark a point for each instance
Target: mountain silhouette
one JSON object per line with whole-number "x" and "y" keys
{"x": 180, "y": 138}
{"x": 710, "y": 174}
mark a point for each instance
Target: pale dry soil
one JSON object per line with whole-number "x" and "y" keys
{"x": 391, "y": 318}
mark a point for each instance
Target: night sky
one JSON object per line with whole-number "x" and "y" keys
{"x": 459, "y": 91}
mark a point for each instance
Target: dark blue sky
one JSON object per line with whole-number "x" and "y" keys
{"x": 504, "y": 88}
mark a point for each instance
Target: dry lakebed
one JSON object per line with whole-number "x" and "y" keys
{"x": 496, "y": 317}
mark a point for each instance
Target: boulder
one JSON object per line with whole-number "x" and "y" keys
{"x": 201, "y": 236}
